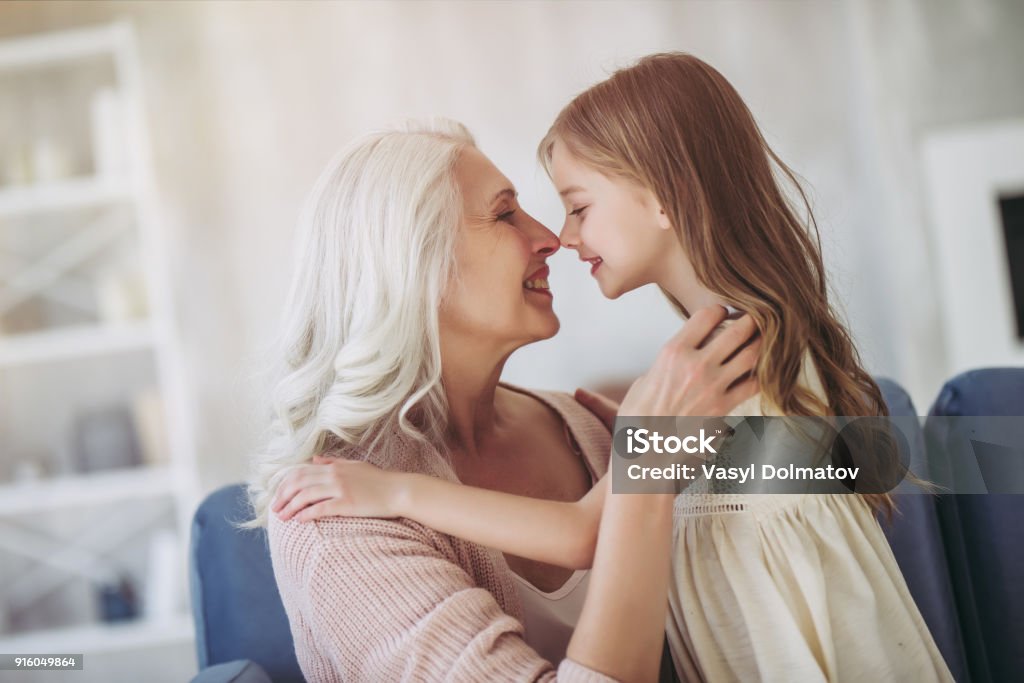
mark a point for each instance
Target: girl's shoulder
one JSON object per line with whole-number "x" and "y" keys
{"x": 810, "y": 379}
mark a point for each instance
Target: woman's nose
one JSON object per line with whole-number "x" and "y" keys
{"x": 543, "y": 241}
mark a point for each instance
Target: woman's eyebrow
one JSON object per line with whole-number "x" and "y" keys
{"x": 505, "y": 192}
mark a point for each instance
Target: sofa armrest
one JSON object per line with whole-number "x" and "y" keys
{"x": 237, "y": 671}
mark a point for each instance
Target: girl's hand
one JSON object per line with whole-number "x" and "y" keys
{"x": 334, "y": 487}
{"x": 694, "y": 378}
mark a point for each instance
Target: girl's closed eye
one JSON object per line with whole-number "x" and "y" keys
{"x": 578, "y": 212}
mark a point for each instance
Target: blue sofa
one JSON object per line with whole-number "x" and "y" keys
{"x": 959, "y": 555}
{"x": 984, "y": 552}
{"x": 242, "y": 632}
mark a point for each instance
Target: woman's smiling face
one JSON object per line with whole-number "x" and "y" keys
{"x": 616, "y": 225}
{"x": 500, "y": 294}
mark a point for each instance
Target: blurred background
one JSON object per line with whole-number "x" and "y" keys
{"x": 154, "y": 157}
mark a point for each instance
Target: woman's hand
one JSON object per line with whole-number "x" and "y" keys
{"x": 334, "y": 487}
{"x": 694, "y": 378}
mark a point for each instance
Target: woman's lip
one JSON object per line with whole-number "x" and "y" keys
{"x": 541, "y": 274}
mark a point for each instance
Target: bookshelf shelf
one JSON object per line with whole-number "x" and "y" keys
{"x": 96, "y": 638}
{"x": 137, "y": 483}
{"x": 74, "y": 342}
{"x": 63, "y": 195}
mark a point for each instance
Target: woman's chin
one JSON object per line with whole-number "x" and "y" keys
{"x": 546, "y": 328}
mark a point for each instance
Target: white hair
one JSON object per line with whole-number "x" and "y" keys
{"x": 360, "y": 341}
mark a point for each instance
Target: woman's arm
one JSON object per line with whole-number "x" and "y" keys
{"x": 503, "y": 521}
{"x": 384, "y": 600}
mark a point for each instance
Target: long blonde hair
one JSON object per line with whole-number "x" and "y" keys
{"x": 359, "y": 344}
{"x": 675, "y": 125}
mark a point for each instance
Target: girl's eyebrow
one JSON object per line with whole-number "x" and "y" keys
{"x": 570, "y": 190}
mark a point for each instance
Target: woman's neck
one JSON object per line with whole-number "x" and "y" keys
{"x": 470, "y": 380}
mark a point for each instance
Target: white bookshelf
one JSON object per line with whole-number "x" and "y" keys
{"x": 72, "y": 193}
{"x": 97, "y": 638}
{"x": 71, "y": 214}
{"x": 75, "y": 342}
{"x": 100, "y": 488}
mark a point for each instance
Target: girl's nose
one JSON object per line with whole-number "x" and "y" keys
{"x": 570, "y": 236}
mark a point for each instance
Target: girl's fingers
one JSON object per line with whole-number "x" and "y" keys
{"x": 731, "y": 339}
{"x": 321, "y": 459}
{"x": 601, "y": 406}
{"x": 300, "y": 477}
{"x": 743, "y": 362}
{"x": 289, "y": 486}
{"x": 305, "y": 497}
{"x": 742, "y": 391}
{"x": 325, "y": 508}
{"x": 699, "y": 326}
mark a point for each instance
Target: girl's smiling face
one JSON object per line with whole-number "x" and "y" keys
{"x": 615, "y": 225}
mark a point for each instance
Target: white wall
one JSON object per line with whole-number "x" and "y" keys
{"x": 248, "y": 101}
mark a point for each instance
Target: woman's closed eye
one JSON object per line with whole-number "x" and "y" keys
{"x": 507, "y": 216}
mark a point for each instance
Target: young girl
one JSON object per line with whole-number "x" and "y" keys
{"x": 667, "y": 180}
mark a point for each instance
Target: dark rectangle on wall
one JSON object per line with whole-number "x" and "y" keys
{"x": 1011, "y": 210}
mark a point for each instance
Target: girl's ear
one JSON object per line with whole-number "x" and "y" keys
{"x": 663, "y": 222}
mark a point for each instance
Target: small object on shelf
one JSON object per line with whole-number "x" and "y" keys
{"x": 50, "y": 161}
{"x": 108, "y": 133}
{"x": 18, "y": 166}
{"x": 27, "y": 470}
{"x": 163, "y": 596}
{"x": 118, "y": 601}
{"x": 105, "y": 439}
{"x": 148, "y": 411}
{"x": 120, "y": 295}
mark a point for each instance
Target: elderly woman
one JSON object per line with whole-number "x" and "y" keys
{"x": 418, "y": 275}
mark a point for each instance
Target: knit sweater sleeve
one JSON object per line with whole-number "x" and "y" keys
{"x": 389, "y": 600}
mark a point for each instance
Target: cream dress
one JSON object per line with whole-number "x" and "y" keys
{"x": 791, "y": 587}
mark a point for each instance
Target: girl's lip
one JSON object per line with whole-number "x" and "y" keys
{"x": 595, "y": 263}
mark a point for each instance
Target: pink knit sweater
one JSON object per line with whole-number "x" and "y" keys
{"x": 385, "y": 600}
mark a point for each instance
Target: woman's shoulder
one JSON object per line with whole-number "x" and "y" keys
{"x": 586, "y": 430}
{"x": 296, "y": 547}
{"x": 294, "y": 537}
{"x": 360, "y": 550}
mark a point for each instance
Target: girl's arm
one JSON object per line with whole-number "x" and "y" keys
{"x": 506, "y": 522}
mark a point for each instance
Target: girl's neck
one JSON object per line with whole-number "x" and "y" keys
{"x": 680, "y": 281}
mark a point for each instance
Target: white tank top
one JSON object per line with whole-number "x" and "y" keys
{"x": 550, "y": 618}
